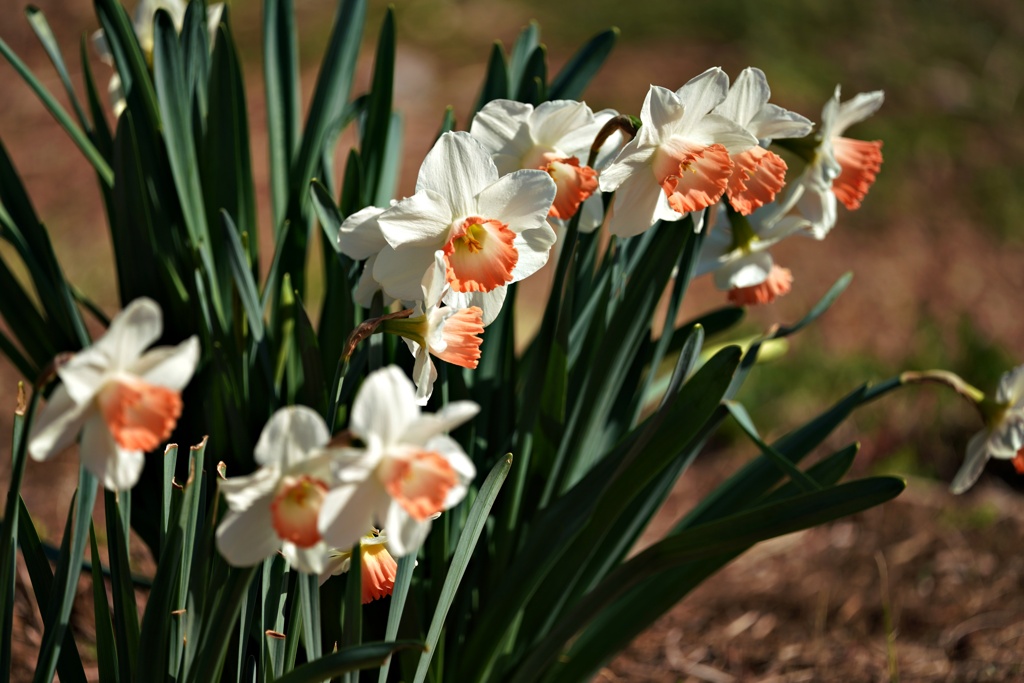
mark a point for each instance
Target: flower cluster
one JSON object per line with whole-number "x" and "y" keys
{"x": 314, "y": 499}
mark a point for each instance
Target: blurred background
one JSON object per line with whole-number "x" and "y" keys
{"x": 937, "y": 251}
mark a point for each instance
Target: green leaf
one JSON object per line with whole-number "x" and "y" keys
{"x": 155, "y": 638}
{"x": 106, "y": 652}
{"x": 352, "y": 623}
{"x": 525, "y": 47}
{"x": 532, "y": 87}
{"x": 244, "y": 283}
{"x": 126, "y": 611}
{"x": 281, "y": 80}
{"x": 399, "y": 593}
{"x": 496, "y": 80}
{"x": 65, "y": 582}
{"x": 577, "y": 73}
{"x": 227, "y": 164}
{"x": 37, "y": 20}
{"x": 374, "y": 142}
{"x": 326, "y": 211}
{"x": 477, "y": 519}
{"x": 309, "y": 596}
{"x": 100, "y": 128}
{"x": 739, "y": 413}
{"x": 819, "y": 308}
{"x": 366, "y": 656}
{"x": 58, "y": 112}
{"x": 716, "y": 538}
{"x": 222, "y": 615}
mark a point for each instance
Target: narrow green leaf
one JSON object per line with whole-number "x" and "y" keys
{"x": 477, "y": 519}
{"x": 374, "y": 142}
{"x": 716, "y": 538}
{"x": 326, "y": 211}
{"x": 281, "y": 80}
{"x": 58, "y": 112}
{"x": 399, "y": 593}
{"x": 126, "y": 612}
{"x": 65, "y": 582}
{"x": 132, "y": 65}
{"x": 581, "y": 68}
{"x": 97, "y": 108}
{"x": 309, "y": 595}
{"x": 37, "y": 20}
{"x": 496, "y": 80}
{"x": 352, "y": 623}
{"x": 532, "y": 87}
{"x": 819, "y": 308}
{"x": 106, "y": 652}
{"x": 739, "y": 413}
{"x": 522, "y": 52}
{"x": 155, "y": 640}
{"x": 366, "y": 656}
{"x": 244, "y": 282}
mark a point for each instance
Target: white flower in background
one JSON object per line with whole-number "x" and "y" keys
{"x": 142, "y": 22}
{"x": 124, "y": 401}
{"x": 276, "y": 507}
{"x": 378, "y": 567}
{"x": 736, "y": 252}
{"x": 840, "y": 168}
{"x": 408, "y": 470}
{"x": 449, "y": 333}
{"x": 493, "y": 231}
{"x": 1003, "y": 435}
{"x": 554, "y": 138}
{"x": 757, "y": 173}
{"x": 679, "y": 162}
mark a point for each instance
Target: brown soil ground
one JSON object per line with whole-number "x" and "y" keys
{"x": 929, "y": 584}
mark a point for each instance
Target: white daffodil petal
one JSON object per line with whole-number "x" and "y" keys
{"x": 289, "y": 435}
{"x": 558, "y": 124}
{"x": 748, "y": 94}
{"x": 746, "y": 271}
{"x": 347, "y": 512}
{"x": 117, "y": 468}
{"x": 534, "y": 247}
{"x": 243, "y": 492}
{"x": 451, "y": 416}
{"x": 405, "y": 534}
{"x": 424, "y": 374}
{"x": 131, "y": 332}
{"x": 311, "y": 560}
{"x": 660, "y": 113}
{"x": 384, "y": 407}
{"x": 489, "y": 303}
{"x": 57, "y": 424}
{"x": 422, "y": 220}
{"x": 247, "y": 538}
{"x": 774, "y": 122}
{"x": 400, "y": 273}
{"x": 500, "y": 126}
{"x": 700, "y": 95}
{"x": 169, "y": 366}
{"x": 856, "y": 110}
{"x": 974, "y": 463}
{"x": 457, "y": 168}
{"x": 1011, "y": 388}
{"x": 360, "y": 236}
{"x": 521, "y": 200}
{"x": 367, "y": 287}
{"x": 635, "y": 207}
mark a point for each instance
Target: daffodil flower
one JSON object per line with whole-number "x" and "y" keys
{"x": 493, "y": 231}
{"x": 758, "y": 174}
{"x": 736, "y": 252}
{"x": 680, "y": 161}
{"x": 408, "y": 470}
{"x": 839, "y": 167}
{"x": 445, "y": 332}
{"x": 276, "y": 507}
{"x": 124, "y": 401}
{"x": 1003, "y": 435}
{"x": 554, "y": 137}
{"x": 378, "y": 567}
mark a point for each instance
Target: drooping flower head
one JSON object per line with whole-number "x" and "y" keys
{"x": 434, "y": 329}
{"x": 839, "y": 167}
{"x": 277, "y": 506}
{"x": 1003, "y": 435}
{"x": 407, "y": 471}
{"x": 758, "y": 174}
{"x": 492, "y": 231}
{"x": 124, "y": 400}
{"x": 679, "y": 162}
{"x": 378, "y": 567}
{"x": 735, "y": 250}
